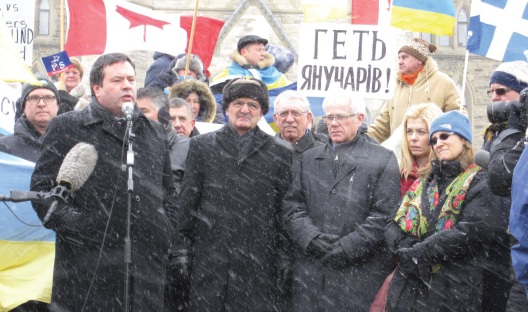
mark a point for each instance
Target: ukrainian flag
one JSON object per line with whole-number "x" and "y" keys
{"x": 430, "y": 16}
{"x": 27, "y": 249}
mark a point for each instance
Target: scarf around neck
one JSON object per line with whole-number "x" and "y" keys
{"x": 411, "y": 78}
{"x": 409, "y": 216}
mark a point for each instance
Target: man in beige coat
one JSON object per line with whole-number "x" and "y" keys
{"x": 418, "y": 81}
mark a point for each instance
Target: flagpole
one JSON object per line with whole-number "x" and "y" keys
{"x": 191, "y": 37}
{"x": 61, "y": 76}
{"x": 464, "y": 79}
{"x": 62, "y": 25}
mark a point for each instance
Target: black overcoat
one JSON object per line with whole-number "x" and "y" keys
{"x": 96, "y": 217}
{"x": 354, "y": 205}
{"x": 24, "y": 142}
{"x": 231, "y": 201}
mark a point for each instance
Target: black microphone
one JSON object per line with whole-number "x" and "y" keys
{"x": 482, "y": 158}
{"x": 76, "y": 168}
{"x": 127, "y": 109}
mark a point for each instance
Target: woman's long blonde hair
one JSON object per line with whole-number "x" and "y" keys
{"x": 427, "y": 112}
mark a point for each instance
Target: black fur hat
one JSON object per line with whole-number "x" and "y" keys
{"x": 246, "y": 88}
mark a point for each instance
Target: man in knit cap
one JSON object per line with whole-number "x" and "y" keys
{"x": 418, "y": 81}
{"x": 505, "y": 142}
{"x": 37, "y": 105}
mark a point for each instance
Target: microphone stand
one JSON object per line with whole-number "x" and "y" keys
{"x": 130, "y": 189}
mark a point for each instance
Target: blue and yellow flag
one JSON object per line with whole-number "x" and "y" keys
{"x": 27, "y": 249}
{"x": 430, "y": 16}
{"x": 318, "y": 11}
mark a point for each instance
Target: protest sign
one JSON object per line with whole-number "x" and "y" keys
{"x": 56, "y": 63}
{"x": 20, "y": 20}
{"x": 356, "y": 58}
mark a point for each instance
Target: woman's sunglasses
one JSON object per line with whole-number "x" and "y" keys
{"x": 442, "y": 136}
{"x": 498, "y": 91}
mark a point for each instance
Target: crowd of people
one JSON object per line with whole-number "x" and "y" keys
{"x": 306, "y": 220}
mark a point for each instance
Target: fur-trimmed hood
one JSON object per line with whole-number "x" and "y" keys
{"x": 242, "y": 62}
{"x": 207, "y": 101}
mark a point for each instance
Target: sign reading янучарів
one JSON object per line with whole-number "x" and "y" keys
{"x": 356, "y": 58}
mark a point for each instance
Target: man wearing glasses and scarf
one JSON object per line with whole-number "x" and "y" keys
{"x": 335, "y": 212}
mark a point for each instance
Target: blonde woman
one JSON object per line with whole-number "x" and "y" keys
{"x": 442, "y": 230}
{"x": 415, "y": 150}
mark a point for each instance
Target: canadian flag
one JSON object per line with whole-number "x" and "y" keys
{"x": 103, "y": 26}
{"x": 370, "y": 12}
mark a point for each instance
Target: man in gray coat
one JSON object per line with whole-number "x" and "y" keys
{"x": 231, "y": 198}
{"x": 342, "y": 194}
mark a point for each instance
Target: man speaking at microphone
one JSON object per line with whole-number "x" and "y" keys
{"x": 91, "y": 227}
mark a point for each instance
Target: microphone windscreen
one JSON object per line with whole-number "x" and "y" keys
{"x": 482, "y": 158}
{"x": 127, "y": 108}
{"x": 78, "y": 165}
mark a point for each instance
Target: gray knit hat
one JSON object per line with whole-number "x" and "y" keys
{"x": 195, "y": 64}
{"x": 44, "y": 84}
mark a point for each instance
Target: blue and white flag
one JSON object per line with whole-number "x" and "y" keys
{"x": 56, "y": 63}
{"x": 498, "y": 29}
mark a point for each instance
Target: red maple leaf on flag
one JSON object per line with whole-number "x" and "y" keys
{"x": 137, "y": 19}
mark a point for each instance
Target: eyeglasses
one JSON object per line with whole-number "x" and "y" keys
{"x": 338, "y": 118}
{"x": 35, "y": 99}
{"x": 294, "y": 113}
{"x": 498, "y": 91}
{"x": 71, "y": 73}
{"x": 252, "y": 106}
{"x": 442, "y": 136}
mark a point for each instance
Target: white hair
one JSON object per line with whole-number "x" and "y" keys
{"x": 356, "y": 103}
{"x": 289, "y": 95}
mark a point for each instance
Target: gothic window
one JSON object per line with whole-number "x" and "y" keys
{"x": 462, "y": 28}
{"x": 44, "y": 17}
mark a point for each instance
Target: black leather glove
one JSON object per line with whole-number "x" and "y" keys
{"x": 284, "y": 279}
{"x": 408, "y": 262}
{"x": 337, "y": 258}
{"x": 514, "y": 118}
{"x": 179, "y": 267}
{"x": 321, "y": 245}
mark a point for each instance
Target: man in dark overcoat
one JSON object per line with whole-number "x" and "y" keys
{"x": 231, "y": 198}
{"x": 89, "y": 262}
{"x": 342, "y": 194}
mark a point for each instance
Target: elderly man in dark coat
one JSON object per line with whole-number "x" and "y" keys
{"x": 232, "y": 191}
{"x": 89, "y": 262}
{"x": 342, "y": 194}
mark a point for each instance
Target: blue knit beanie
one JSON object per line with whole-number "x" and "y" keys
{"x": 452, "y": 121}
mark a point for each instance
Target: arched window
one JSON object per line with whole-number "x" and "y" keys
{"x": 462, "y": 28}
{"x": 44, "y": 17}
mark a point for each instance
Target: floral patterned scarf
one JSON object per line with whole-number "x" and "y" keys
{"x": 409, "y": 216}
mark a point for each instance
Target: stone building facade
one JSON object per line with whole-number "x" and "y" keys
{"x": 278, "y": 21}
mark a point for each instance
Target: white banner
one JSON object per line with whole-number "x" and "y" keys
{"x": 9, "y": 93}
{"x": 357, "y": 58}
{"x": 20, "y": 20}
